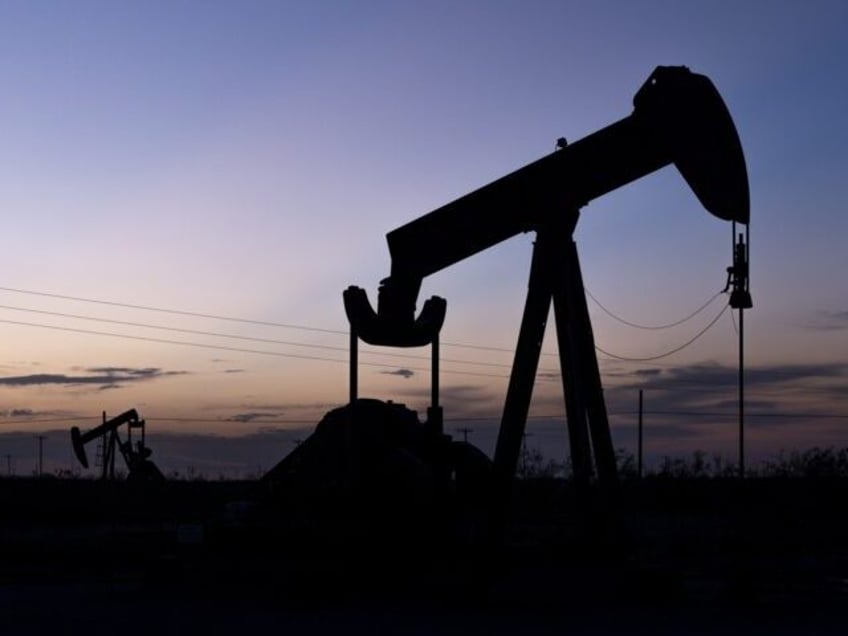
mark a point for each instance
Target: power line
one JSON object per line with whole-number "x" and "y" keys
{"x": 196, "y": 314}
{"x": 244, "y": 338}
{"x": 698, "y": 387}
{"x": 274, "y": 341}
{"x": 228, "y": 420}
{"x": 201, "y": 420}
{"x": 735, "y": 326}
{"x": 813, "y": 416}
{"x": 49, "y": 420}
{"x": 458, "y": 419}
{"x": 623, "y": 359}
{"x": 484, "y": 418}
{"x": 667, "y": 353}
{"x": 652, "y": 327}
{"x": 264, "y": 323}
{"x": 235, "y": 349}
{"x": 311, "y": 345}
{"x": 722, "y": 414}
{"x": 178, "y": 312}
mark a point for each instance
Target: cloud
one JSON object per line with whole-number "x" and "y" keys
{"x": 250, "y": 417}
{"x": 647, "y": 372}
{"x": 458, "y": 401}
{"x": 703, "y": 391}
{"x": 106, "y": 377}
{"x": 828, "y": 320}
{"x": 22, "y": 412}
{"x": 716, "y": 375}
{"x": 143, "y": 372}
{"x": 404, "y": 373}
{"x": 463, "y": 392}
{"x": 548, "y": 375}
{"x": 233, "y": 371}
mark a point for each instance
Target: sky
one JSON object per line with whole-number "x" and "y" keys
{"x": 188, "y": 187}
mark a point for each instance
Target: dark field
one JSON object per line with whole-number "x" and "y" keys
{"x": 680, "y": 556}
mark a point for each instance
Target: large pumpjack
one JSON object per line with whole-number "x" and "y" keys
{"x": 136, "y": 454}
{"x": 678, "y": 118}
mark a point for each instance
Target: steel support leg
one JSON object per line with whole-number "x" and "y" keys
{"x": 590, "y": 380}
{"x": 524, "y": 367}
{"x": 555, "y": 274}
{"x": 573, "y": 386}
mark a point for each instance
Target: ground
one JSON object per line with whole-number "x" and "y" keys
{"x": 671, "y": 556}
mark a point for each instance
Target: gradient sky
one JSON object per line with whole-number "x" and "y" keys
{"x": 246, "y": 159}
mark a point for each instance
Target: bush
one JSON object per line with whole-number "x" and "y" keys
{"x": 815, "y": 463}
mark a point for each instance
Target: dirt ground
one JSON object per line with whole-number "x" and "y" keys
{"x": 670, "y": 557}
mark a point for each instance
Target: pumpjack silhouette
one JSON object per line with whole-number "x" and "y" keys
{"x": 678, "y": 118}
{"x": 136, "y": 455}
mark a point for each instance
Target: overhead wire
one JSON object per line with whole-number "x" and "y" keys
{"x": 670, "y": 352}
{"x": 235, "y": 349}
{"x": 653, "y": 327}
{"x": 265, "y": 421}
{"x": 177, "y": 312}
{"x": 314, "y": 329}
{"x": 459, "y": 418}
{"x": 735, "y": 326}
{"x": 827, "y": 416}
{"x": 553, "y": 416}
{"x": 610, "y": 355}
{"x": 239, "y": 337}
{"x": 249, "y": 321}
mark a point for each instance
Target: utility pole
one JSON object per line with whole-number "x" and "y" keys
{"x": 639, "y": 445}
{"x": 465, "y": 431}
{"x": 741, "y": 393}
{"x": 40, "y": 439}
{"x": 740, "y": 298}
{"x": 524, "y": 437}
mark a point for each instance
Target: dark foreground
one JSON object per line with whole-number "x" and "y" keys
{"x": 680, "y": 557}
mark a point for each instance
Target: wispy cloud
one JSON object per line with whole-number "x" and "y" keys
{"x": 711, "y": 388}
{"x": 459, "y": 401}
{"x": 713, "y": 375}
{"x": 828, "y": 320}
{"x": 251, "y": 416}
{"x": 103, "y": 377}
{"x": 26, "y": 413}
{"x": 647, "y": 372}
{"x": 404, "y": 373}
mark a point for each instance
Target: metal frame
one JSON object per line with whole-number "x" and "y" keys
{"x": 555, "y": 276}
